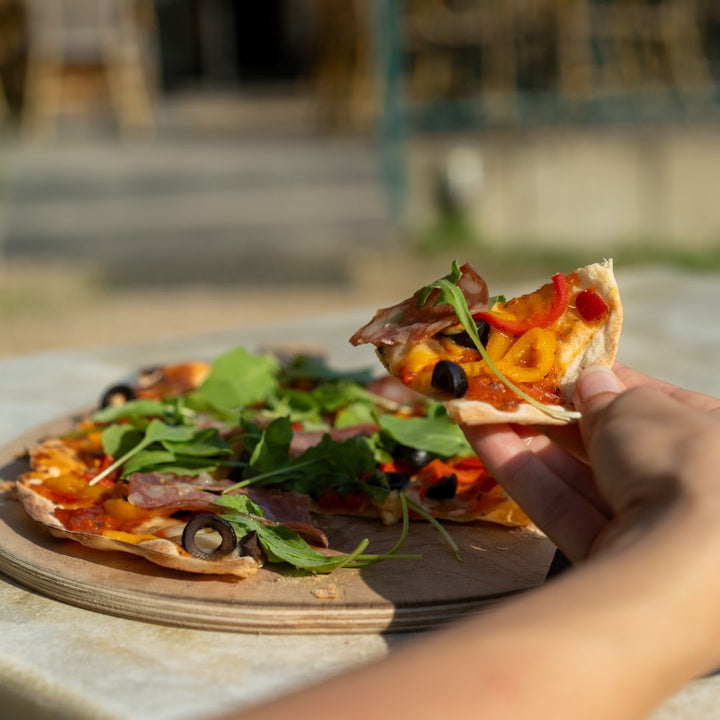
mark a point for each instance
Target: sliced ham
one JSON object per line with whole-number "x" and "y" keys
{"x": 405, "y": 322}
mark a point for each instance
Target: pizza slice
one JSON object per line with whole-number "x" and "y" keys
{"x": 493, "y": 360}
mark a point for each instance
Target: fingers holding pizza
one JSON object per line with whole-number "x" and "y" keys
{"x": 634, "y": 430}
{"x": 492, "y": 360}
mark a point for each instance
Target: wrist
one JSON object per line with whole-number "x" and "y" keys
{"x": 666, "y": 567}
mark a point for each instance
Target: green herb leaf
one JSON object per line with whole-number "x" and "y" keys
{"x": 436, "y": 434}
{"x": 308, "y": 367}
{"x": 273, "y": 450}
{"x": 240, "y": 503}
{"x": 237, "y": 379}
{"x": 203, "y": 443}
{"x": 450, "y": 293}
{"x": 119, "y": 439}
{"x": 437, "y": 525}
{"x": 132, "y": 410}
{"x": 451, "y": 278}
{"x": 282, "y": 545}
{"x": 181, "y": 449}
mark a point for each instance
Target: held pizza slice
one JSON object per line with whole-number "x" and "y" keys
{"x": 494, "y": 360}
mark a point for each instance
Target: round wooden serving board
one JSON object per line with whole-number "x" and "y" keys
{"x": 396, "y": 595}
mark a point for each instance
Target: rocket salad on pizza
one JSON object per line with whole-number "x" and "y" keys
{"x": 493, "y": 360}
{"x": 222, "y": 467}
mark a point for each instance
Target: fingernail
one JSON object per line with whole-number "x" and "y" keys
{"x": 595, "y": 380}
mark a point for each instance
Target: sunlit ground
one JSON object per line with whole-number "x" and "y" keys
{"x": 46, "y": 306}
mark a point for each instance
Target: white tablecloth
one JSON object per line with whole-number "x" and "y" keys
{"x": 61, "y": 661}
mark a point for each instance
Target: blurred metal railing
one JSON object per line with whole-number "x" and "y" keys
{"x": 448, "y": 65}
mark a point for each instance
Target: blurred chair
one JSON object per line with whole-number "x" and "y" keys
{"x": 342, "y": 73}
{"x": 437, "y": 31}
{"x": 11, "y": 43}
{"x": 3, "y": 102}
{"x": 67, "y": 35}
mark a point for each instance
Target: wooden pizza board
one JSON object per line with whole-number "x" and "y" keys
{"x": 396, "y": 595}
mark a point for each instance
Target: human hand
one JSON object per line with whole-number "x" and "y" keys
{"x": 650, "y": 447}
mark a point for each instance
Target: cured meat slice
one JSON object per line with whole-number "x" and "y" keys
{"x": 405, "y": 322}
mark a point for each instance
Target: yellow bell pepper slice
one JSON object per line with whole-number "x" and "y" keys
{"x": 531, "y": 357}
{"x": 127, "y": 537}
{"x": 498, "y": 344}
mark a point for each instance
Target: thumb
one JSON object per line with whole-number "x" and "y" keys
{"x": 595, "y": 388}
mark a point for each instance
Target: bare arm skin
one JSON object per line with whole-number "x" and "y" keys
{"x": 645, "y": 522}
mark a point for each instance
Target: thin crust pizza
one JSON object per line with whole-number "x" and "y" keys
{"x": 221, "y": 467}
{"x": 492, "y": 360}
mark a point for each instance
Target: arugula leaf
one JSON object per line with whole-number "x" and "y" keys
{"x": 205, "y": 442}
{"x": 450, "y": 293}
{"x": 329, "y": 464}
{"x": 451, "y": 278}
{"x": 436, "y": 434}
{"x": 240, "y": 503}
{"x": 162, "y": 461}
{"x": 273, "y": 450}
{"x": 237, "y": 379}
{"x": 282, "y": 545}
{"x": 125, "y": 441}
{"x": 327, "y": 399}
{"x": 308, "y": 367}
{"x": 437, "y": 525}
{"x": 133, "y": 409}
{"x": 119, "y": 439}
{"x": 332, "y": 464}
{"x": 355, "y": 413}
{"x": 147, "y": 461}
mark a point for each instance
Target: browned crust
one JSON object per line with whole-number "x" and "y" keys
{"x": 160, "y": 551}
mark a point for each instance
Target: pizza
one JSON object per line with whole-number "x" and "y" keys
{"x": 223, "y": 466}
{"x": 492, "y": 360}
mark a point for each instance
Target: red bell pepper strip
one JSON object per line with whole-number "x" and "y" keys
{"x": 541, "y": 319}
{"x": 590, "y": 305}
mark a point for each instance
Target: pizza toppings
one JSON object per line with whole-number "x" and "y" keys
{"x": 195, "y": 537}
{"x": 413, "y": 321}
{"x": 513, "y": 360}
{"x": 450, "y": 377}
{"x": 590, "y": 305}
{"x": 537, "y": 318}
{"x": 117, "y": 395}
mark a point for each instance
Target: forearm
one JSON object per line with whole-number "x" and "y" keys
{"x": 607, "y": 640}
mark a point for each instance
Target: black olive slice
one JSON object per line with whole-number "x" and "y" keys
{"x": 463, "y": 339}
{"x": 117, "y": 395}
{"x": 397, "y": 480}
{"x": 208, "y": 521}
{"x": 250, "y": 545}
{"x": 444, "y": 489}
{"x": 414, "y": 458}
{"x": 450, "y": 378}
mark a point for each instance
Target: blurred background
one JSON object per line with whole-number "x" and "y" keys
{"x": 178, "y": 166}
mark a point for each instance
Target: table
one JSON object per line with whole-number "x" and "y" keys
{"x": 65, "y": 662}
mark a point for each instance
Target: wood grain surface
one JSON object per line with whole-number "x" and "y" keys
{"x": 396, "y": 595}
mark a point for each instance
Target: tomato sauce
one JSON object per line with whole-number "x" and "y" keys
{"x": 89, "y": 520}
{"x": 489, "y": 389}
